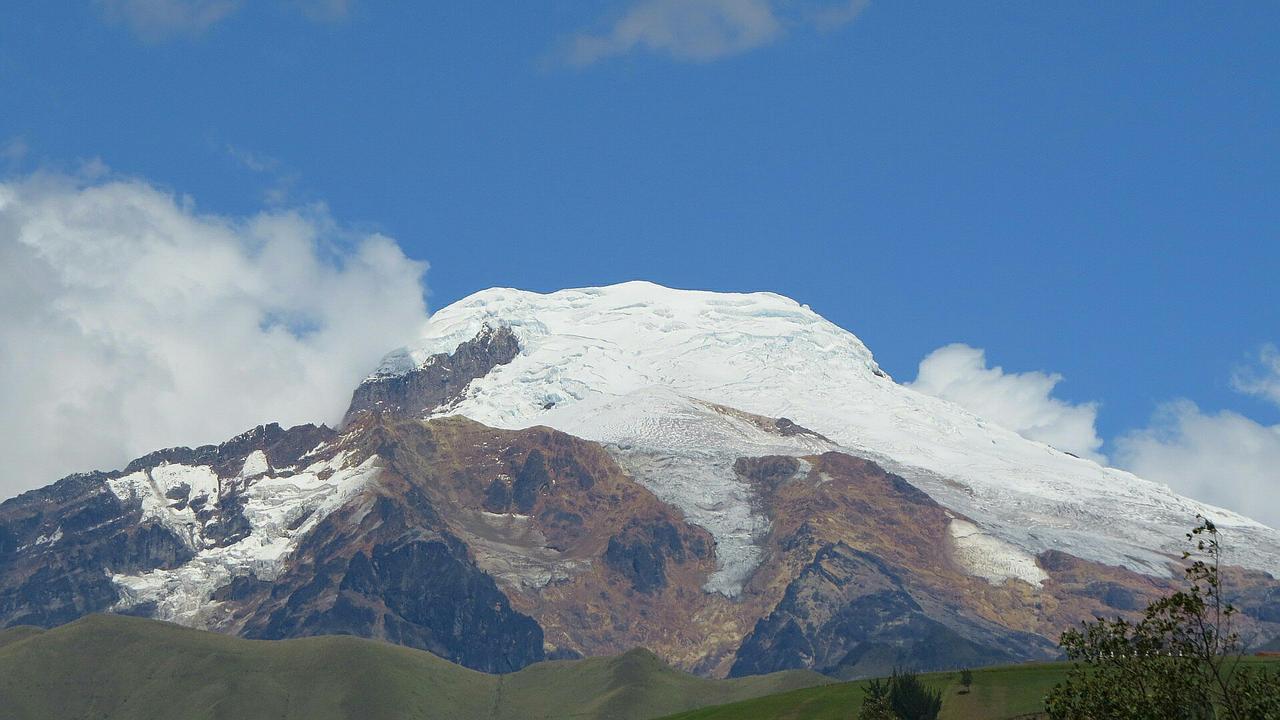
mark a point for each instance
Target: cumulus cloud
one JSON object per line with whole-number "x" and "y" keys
{"x": 1222, "y": 458}
{"x": 130, "y": 321}
{"x": 1022, "y": 402}
{"x": 1263, "y": 378}
{"x": 702, "y": 30}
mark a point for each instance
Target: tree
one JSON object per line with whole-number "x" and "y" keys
{"x": 1182, "y": 660}
{"x": 910, "y": 699}
{"x": 875, "y": 702}
{"x": 966, "y": 679}
{"x": 902, "y": 696}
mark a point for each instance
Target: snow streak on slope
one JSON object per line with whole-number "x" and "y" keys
{"x": 591, "y": 358}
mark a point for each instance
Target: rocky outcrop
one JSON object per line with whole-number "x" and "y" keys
{"x": 282, "y": 448}
{"x": 848, "y": 614}
{"x": 641, "y": 551}
{"x": 387, "y": 567}
{"x": 440, "y": 381}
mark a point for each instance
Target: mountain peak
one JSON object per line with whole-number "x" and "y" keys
{"x": 620, "y": 338}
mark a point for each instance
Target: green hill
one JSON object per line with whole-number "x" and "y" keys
{"x": 120, "y": 668}
{"x": 998, "y": 693}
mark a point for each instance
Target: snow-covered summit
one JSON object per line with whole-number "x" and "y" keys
{"x": 645, "y": 321}
{"x": 585, "y": 352}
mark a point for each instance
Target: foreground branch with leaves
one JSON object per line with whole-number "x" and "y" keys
{"x": 1182, "y": 660}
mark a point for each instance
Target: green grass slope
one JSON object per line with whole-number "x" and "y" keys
{"x": 998, "y": 693}
{"x": 120, "y": 668}
{"x": 14, "y": 634}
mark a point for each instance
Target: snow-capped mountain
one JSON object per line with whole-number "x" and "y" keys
{"x": 638, "y": 365}
{"x": 727, "y": 479}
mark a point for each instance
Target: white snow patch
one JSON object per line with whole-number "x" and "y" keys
{"x": 151, "y": 486}
{"x": 991, "y": 558}
{"x": 49, "y": 539}
{"x": 255, "y": 464}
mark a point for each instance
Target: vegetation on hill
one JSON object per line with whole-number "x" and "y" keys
{"x": 1183, "y": 659}
{"x": 121, "y": 668}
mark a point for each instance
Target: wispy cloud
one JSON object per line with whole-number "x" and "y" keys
{"x": 281, "y": 180}
{"x": 160, "y": 20}
{"x": 1022, "y": 402}
{"x": 131, "y": 321}
{"x": 1262, "y": 378}
{"x": 14, "y": 151}
{"x": 704, "y": 30}
{"x": 324, "y": 10}
{"x": 156, "y": 20}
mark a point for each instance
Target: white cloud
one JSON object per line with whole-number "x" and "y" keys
{"x": 701, "y": 30}
{"x": 129, "y": 321}
{"x": 1021, "y": 402}
{"x": 1262, "y": 380}
{"x": 1225, "y": 458}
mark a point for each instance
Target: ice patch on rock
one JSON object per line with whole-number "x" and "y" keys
{"x": 171, "y": 494}
{"x": 255, "y": 464}
{"x": 988, "y": 557}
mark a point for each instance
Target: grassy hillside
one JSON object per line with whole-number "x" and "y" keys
{"x": 998, "y": 693}
{"x": 120, "y": 668}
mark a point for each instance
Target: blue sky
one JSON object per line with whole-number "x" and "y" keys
{"x": 1081, "y": 188}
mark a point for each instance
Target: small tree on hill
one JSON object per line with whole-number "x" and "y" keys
{"x": 910, "y": 699}
{"x": 1182, "y": 660}
{"x": 966, "y": 679}
{"x": 900, "y": 697}
{"x": 875, "y": 702}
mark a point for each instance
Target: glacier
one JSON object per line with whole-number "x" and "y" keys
{"x": 649, "y": 371}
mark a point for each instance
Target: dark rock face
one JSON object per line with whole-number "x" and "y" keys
{"x": 423, "y": 594}
{"x": 440, "y": 381}
{"x": 1115, "y": 595}
{"x": 61, "y": 544}
{"x": 532, "y": 481}
{"x": 282, "y": 448}
{"x": 640, "y": 554}
{"x": 769, "y": 472}
{"x": 415, "y": 586}
{"x": 849, "y": 614}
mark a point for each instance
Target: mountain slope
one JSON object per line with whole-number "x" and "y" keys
{"x": 125, "y": 668}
